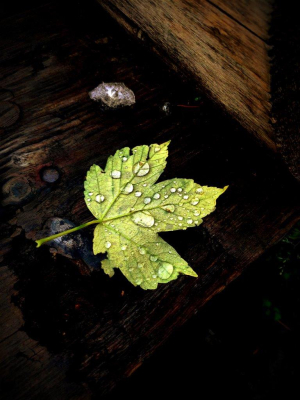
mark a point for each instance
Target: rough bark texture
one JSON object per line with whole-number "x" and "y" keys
{"x": 67, "y": 330}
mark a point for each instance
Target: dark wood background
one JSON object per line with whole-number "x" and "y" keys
{"x": 67, "y": 330}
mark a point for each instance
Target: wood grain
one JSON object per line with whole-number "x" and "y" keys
{"x": 217, "y": 51}
{"x": 69, "y": 330}
{"x": 255, "y": 15}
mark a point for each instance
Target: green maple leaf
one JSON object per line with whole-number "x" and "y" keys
{"x": 131, "y": 209}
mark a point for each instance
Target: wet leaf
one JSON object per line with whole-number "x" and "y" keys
{"x": 132, "y": 209}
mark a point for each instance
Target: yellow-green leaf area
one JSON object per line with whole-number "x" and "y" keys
{"x": 132, "y": 209}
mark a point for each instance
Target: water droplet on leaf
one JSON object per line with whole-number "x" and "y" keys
{"x": 165, "y": 270}
{"x": 141, "y": 169}
{"x": 144, "y": 219}
{"x": 142, "y": 250}
{"x": 128, "y": 188}
{"x": 116, "y": 174}
{"x": 99, "y": 198}
{"x": 139, "y": 281}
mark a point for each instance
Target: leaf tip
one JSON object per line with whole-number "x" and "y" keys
{"x": 166, "y": 144}
{"x": 38, "y": 243}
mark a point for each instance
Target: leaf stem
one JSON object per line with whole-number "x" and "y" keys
{"x": 40, "y": 242}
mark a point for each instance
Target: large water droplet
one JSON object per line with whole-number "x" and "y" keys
{"x": 179, "y": 190}
{"x": 138, "y": 194}
{"x": 195, "y": 202}
{"x": 186, "y": 197}
{"x": 156, "y": 196}
{"x": 169, "y": 208}
{"x": 165, "y": 270}
{"x": 99, "y": 198}
{"x": 91, "y": 194}
{"x": 157, "y": 149}
{"x": 189, "y": 221}
{"x": 128, "y": 188}
{"x": 196, "y": 213}
{"x": 124, "y": 159}
{"x": 173, "y": 190}
{"x": 147, "y": 200}
{"x": 107, "y": 245}
{"x": 180, "y": 218}
{"x": 153, "y": 258}
{"x": 141, "y": 169}
{"x": 199, "y": 190}
{"x": 116, "y": 174}
{"x": 144, "y": 219}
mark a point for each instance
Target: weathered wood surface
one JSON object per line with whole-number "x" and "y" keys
{"x": 254, "y": 15}
{"x": 67, "y": 330}
{"x": 216, "y": 50}
{"x": 223, "y": 46}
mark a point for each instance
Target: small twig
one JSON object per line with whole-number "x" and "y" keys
{"x": 185, "y": 106}
{"x": 284, "y": 325}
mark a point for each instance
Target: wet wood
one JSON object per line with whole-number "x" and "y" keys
{"x": 218, "y": 51}
{"x": 254, "y": 15}
{"x": 223, "y": 46}
{"x": 69, "y": 331}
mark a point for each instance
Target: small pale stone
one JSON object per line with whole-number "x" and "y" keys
{"x": 113, "y": 94}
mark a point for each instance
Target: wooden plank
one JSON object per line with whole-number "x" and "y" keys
{"x": 255, "y": 15}
{"x": 223, "y": 46}
{"x": 24, "y": 362}
{"x": 82, "y": 331}
{"x": 215, "y": 50}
